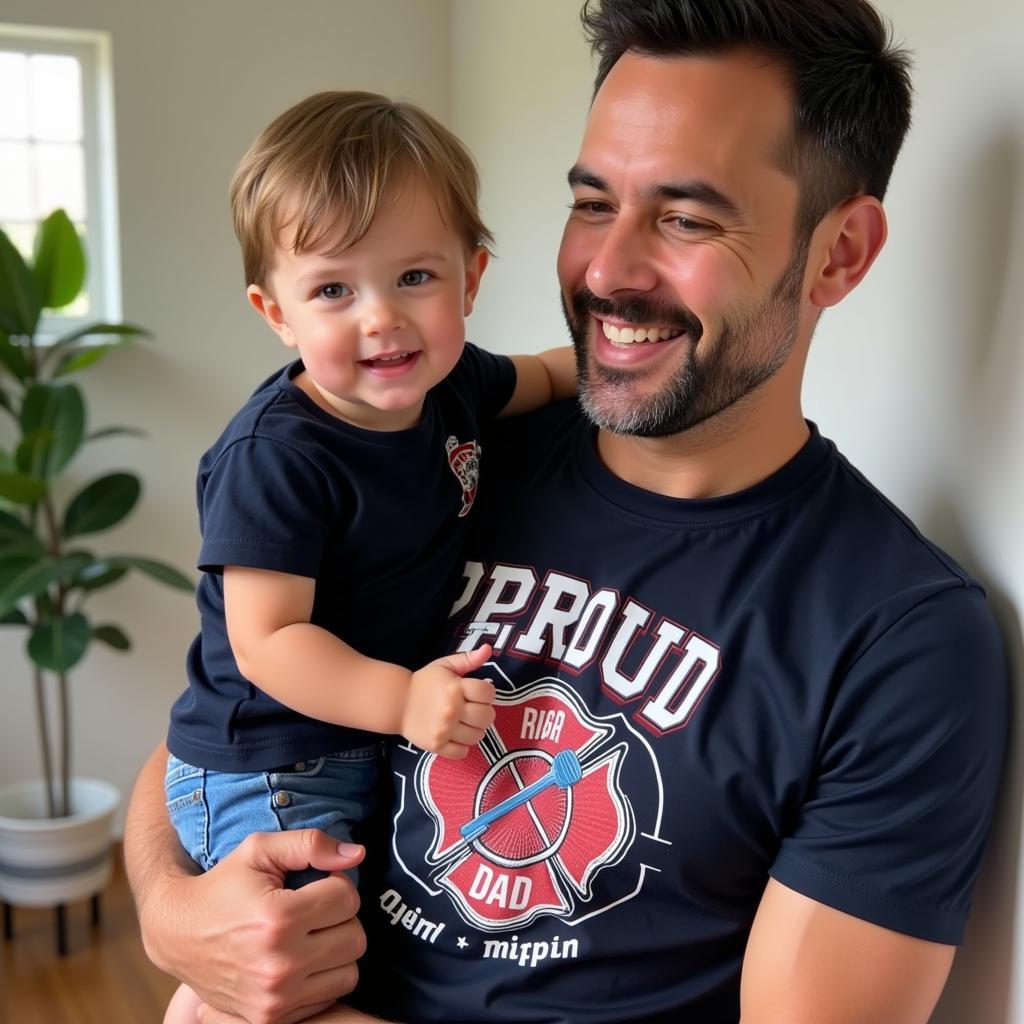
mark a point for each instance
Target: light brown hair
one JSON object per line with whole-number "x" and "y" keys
{"x": 334, "y": 159}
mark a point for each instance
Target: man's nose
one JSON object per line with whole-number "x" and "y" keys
{"x": 624, "y": 261}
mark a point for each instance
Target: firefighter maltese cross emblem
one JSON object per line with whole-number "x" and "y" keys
{"x": 526, "y": 822}
{"x": 464, "y": 460}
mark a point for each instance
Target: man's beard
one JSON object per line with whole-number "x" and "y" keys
{"x": 751, "y": 347}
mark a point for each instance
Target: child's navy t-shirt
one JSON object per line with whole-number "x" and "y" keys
{"x": 375, "y": 517}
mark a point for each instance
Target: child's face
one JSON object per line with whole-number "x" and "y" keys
{"x": 383, "y": 321}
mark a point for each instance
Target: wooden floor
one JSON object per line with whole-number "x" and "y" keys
{"x": 104, "y": 979}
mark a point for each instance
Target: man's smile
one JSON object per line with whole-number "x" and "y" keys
{"x": 634, "y": 334}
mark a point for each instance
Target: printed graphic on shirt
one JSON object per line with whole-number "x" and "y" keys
{"x": 525, "y": 825}
{"x": 556, "y": 815}
{"x": 464, "y": 460}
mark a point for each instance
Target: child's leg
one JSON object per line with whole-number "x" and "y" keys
{"x": 183, "y": 1007}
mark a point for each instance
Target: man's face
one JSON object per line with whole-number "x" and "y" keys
{"x": 680, "y": 275}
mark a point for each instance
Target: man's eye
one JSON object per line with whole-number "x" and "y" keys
{"x": 591, "y": 207}
{"x": 687, "y": 225}
{"x": 411, "y": 278}
{"x": 332, "y": 291}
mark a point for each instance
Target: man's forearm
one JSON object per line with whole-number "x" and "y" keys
{"x": 152, "y": 854}
{"x": 235, "y": 934}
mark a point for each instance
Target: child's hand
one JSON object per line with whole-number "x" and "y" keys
{"x": 445, "y": 712}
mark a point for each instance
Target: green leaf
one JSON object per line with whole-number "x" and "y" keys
{"x": 157, "y": 570}
{"x": 128, "y": 333}
{"x": 24, "y": 576}
{"x": 112, "y": 636}
{"x": 31, "y": 454}
{"x": 17, "y": 536}
{"x": 21, "y": 489}
{"x": 13, "y": 618}
{"x": 73, "y": 361}
{"x": 103, "y": 432}
{"x": 61, "y": 643}
{"x": 102, "y": 504}
{"x": 59, "y": 261}
{"x": 12, "y": 356}
{"x": 19, "y": 299}
{"x": 59, "y": 408}
{"x": 97, "y": 576}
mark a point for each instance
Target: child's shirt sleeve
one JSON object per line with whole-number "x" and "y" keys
{"x": 486, "y": 378}
{"x": 264, "y": 505}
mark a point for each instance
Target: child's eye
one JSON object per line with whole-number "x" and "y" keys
{"x": 334, "y": 290}
{"x": 411, "y": 278}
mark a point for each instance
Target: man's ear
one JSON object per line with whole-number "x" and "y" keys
{"x": 263, "y": 302}
{"x": 475, "y": 267}
{"x": 852, "y": 236}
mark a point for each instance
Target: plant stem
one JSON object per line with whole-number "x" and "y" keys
{"x": 63, "y": 716}
{"x": 65, "y": 746}
{"x": 44, "y": 740}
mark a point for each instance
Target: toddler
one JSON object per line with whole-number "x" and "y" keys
{"x": 333, "y": 504}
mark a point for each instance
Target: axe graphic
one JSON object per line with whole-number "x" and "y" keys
{"x": 565, "y": 771}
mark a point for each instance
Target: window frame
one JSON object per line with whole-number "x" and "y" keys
{"x": 102, "y": 235}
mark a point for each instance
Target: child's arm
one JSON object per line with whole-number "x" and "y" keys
{"x": 311, "y": 671}
{"x": 542, "y": 379}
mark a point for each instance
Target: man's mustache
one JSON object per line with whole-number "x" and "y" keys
{"x": 636, "y": 310}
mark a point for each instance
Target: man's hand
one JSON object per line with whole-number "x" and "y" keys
{"x": 445, "y": 712}
{"x": 246, "y": 944}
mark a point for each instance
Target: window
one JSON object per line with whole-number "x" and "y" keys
{"x": 57, "y": 149}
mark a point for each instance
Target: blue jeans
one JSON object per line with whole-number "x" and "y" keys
{"x": 213, "y": 811}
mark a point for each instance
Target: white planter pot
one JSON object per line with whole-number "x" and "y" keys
{"x": 48, "y": 861}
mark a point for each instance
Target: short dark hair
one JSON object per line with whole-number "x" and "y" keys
{"x": 851, "y": 82}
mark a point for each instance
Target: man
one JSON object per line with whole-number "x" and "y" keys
{"x": 749, "y": 722}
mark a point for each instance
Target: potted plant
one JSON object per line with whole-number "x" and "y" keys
{"x": 49, "y": 573}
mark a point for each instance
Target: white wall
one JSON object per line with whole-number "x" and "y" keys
{"x": 919, "y": 376}
{"x": 195, "y": 81}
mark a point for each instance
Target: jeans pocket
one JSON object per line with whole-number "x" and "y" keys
{"x": 185, "y": 786}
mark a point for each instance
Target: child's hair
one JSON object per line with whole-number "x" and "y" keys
{"x": 337, "y": 157}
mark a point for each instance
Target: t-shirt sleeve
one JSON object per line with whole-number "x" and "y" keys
{"x": 486, "y": 379}
{"x": 894, "y": 827}
{"x": 264, "y": 505}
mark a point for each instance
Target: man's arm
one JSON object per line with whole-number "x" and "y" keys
{"x": 807, "y": 963}
{"x": 235, "y": 934}
{"x": 335, "y": 1015}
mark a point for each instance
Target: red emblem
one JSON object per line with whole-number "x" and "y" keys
{"x": 507, "y": 856}
{"x": 464, "y": 460}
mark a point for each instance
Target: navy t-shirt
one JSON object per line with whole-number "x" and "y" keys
{"x": 786, "y": 682}
{"x": 375, "y": 517}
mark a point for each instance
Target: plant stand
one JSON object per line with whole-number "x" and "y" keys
{"x": 60, "y": 920}
{"x": 55, "y": 862}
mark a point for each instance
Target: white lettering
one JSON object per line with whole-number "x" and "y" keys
{"x": 529, "y": 954}
{"x": 508, "y": 592}
{"x": 547, "y": 631}
{"x": 689, "y": 682}
{"x": 493, "y": 887}
{"x": 665, "y": 637}
{"x": 542, "y": 725}
{"x": 590, "y": 630}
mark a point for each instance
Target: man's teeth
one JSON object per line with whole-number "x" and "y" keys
{"x": 632, "y": 335}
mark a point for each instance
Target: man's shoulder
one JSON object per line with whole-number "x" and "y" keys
{"x": 548, "y": 424}
{"x": 869, "y": 524}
